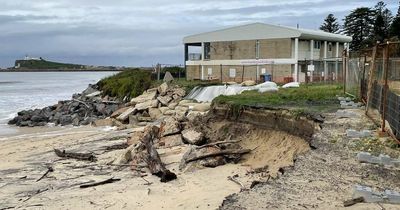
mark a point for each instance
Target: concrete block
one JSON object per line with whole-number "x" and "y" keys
{"x": 358, "y": 134}
{"x": 392, "y": 196}
{"x": 366, "y": 192}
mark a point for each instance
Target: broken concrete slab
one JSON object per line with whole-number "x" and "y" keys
{"x": 346, "y": 114}
{"x": 351, "y": 133}
{"x": 125, "y": 115}
{"x": 367, "y": 193}
{"x": 370, "y": 196}
{"x": 146, "y": 96}
{"x": 366, "y": 157}
{"x": 164, "y": 99}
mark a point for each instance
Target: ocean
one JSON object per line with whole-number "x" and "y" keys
{"x": 31, "y": 90}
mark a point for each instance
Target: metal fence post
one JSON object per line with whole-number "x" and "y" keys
{"x": 385, "y": 87}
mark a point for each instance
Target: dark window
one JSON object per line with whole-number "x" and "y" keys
{"x": 317, "y": 45}
{"x": 207, "y": 48}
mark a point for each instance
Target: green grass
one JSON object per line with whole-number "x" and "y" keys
{"x": 315, "y": 96}
{"x": 129, "y": 83}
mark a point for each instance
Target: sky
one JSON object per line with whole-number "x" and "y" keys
{"x": 141, "y": 32}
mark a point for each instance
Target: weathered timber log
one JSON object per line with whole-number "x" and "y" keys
{"x": 353, "y": 201}
{"x": 222, "y": 152}
{"x": 218, "y": 143}
{"x": 75, "y": 155}
{"x": 152, "y": 158}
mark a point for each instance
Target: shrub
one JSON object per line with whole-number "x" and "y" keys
{"x": 129, "y": 83}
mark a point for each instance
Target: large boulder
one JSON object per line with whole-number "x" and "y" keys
{"x": 193, "y": 137}
{"x": 168, "y": 77}
{"x": 192, "y": 153}
{"x": 170, "y": 126}
{"x": 65, "y": 120}
{"x": 163, "y": 109}
{"x": 203, "y": 107}
{"x": 171, "y": 141}
{"x": 172, "y": 105}
{"x": 155, "y": 113}
{"x": 163, "y": 88}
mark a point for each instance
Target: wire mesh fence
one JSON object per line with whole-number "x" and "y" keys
{"x": 329, "y": 70}
{"x": 376, "y": 81}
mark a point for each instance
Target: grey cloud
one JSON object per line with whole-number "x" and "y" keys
{"x": 140, "y": 32}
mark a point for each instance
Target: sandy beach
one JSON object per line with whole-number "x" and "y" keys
{"x": 26, "y": 156}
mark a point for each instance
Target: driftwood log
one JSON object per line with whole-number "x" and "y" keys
{"x": 222, "y": 152}
{"x": 152, "y": 158}
{"x": 107, "y": 181}
{"x": 75, "y": 155}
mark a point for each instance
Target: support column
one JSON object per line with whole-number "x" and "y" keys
{"x": 311, "y": 59}
{"x": 202, "y": 72}
{"x": 202, "y": 51}
{"x": 296, "y": 58}
{"x": 186, "y": 57}
{"x": 337, "y": 61}
{"x": 325, "y": 63}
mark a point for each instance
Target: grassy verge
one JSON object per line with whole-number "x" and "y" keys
{"x": 316, "y": 97}
{"x": 129, "y": 83}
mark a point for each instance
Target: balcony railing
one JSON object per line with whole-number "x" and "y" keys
{"x": 194, "y": 56}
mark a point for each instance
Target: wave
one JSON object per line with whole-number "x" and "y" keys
{"x": 10, "y": 82}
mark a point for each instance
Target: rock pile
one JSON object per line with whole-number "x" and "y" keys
{"x": 82, "y": 109}
{"x": 156, "y": 104}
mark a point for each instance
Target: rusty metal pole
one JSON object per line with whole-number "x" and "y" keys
{"x": 385, "y": 87}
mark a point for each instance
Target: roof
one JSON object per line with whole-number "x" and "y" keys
{"x": 256, "y": 31}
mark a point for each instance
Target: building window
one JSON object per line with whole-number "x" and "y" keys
{"x": 232, "y": 73}
{"x": 207, "y": 48}
{"x": 209, "y": 71}
{"x": 317, "y": 45}
{"x": 330, "y": 47}
{"x": 257, "y": 49}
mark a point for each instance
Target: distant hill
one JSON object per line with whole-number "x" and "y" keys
{"x": 43, "y": 64}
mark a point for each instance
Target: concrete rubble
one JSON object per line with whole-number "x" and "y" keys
{"x": 346, "y": 114}
{"x": 160, "y": 104}
{"x": 348, "y": 103}
{"x": 385, "y": 160}
{"x": 370, "y": 196}
{"x": 351, "y": 133}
